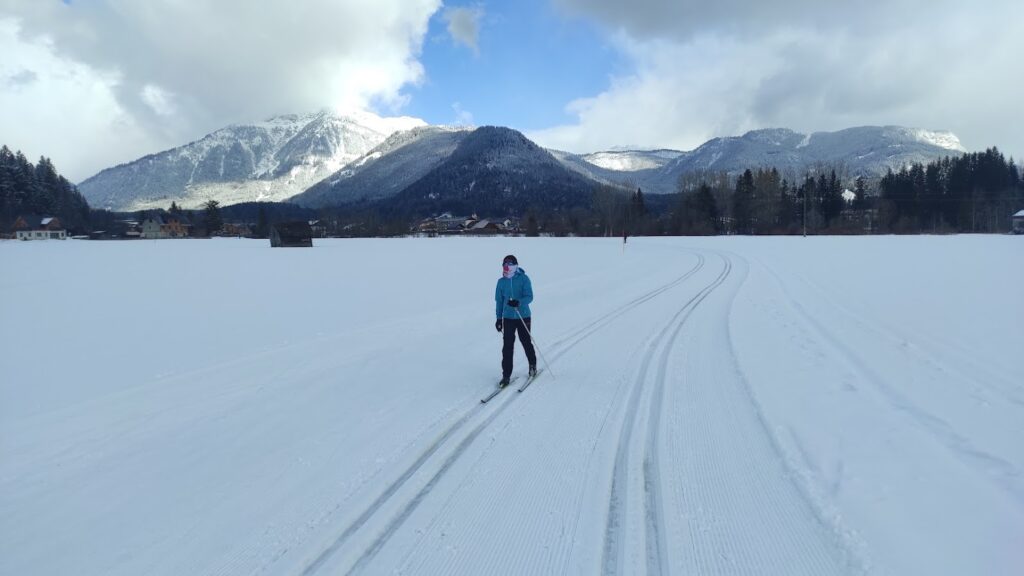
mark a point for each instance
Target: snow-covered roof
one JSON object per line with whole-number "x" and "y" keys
{"x": 1019, "y": 214}
{"x": 37, "y": 222}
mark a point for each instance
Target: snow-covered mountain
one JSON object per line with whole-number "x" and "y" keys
{"x": 630, "y": 160}
{"x": 490, "y": 169}
{"x": 325, "y": 159}
{"x": 408, "y": 159}
{"x": 388, "y": 168}
{"x": 866, "y": 150}
{"x": 266, "y": 161}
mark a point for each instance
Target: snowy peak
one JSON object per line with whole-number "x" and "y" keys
{"x": 774, "y": 137}
{"x": 425, "y": 170}
{"x": 631, "y": 160}
{"x": 359, "y": 155}
{"x": 495, "y": 170}
{"x": 865, "y": 150}
{"x": 938, "y": 138}
{"x": 269, "y": 160}
{"x": 388, "y": 168}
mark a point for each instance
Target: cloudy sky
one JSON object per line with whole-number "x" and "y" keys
{"x": 94, "y": 83}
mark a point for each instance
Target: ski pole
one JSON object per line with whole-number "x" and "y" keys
{"x": 542, "y": 357}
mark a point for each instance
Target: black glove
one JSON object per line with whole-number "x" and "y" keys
{"x": 513, "y": 303}
{"x": 497, "y": 324}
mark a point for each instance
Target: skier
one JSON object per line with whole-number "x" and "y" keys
{"x": 512, "y": 297}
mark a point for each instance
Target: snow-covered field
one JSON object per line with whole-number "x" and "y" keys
{"x": 713, "y": 406}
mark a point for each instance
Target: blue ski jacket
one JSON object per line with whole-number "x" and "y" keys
{"x": 517, "y": 287}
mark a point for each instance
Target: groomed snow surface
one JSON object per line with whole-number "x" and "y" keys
{"x": 712, "y": 406}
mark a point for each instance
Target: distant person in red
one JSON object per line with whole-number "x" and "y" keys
{"x": 512, "y": 297}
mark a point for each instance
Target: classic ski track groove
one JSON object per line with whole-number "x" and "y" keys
{"x": 605, "y": 319}
{"x": 1001, "y": 473}
{"x": 559, "y": 347}
{"x": 656, "y": 548}
{"x": 767, "y": 471}
{"x": 1008, "y": 389}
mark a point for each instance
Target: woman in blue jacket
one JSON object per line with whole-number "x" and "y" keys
{"x": 512, "y": 297}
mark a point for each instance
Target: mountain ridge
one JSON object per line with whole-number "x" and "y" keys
{"x": 270, "y": 160}
{"x": 324, "y": 158}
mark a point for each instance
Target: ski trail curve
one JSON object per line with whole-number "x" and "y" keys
{"x": 734, "y": 504}
{"x": 613, "y": 557}
{"x": 440, "y": 449}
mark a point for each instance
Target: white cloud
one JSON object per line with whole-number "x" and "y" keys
{"x": 673, "y": 100}
{"x": 22, "y": 78}
{"x": 710, "y": 69}
{"x": 173, "y": 71}
{"x": 464, "y": 26}
{"x": 69, "y": 112}
{"x": 161, "y": 101}
{"x": 462, "y": 117}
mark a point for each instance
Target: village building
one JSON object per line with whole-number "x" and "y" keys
{"x": 485, "y": 227}
{"x": 161, "y": 226}
{"x": 1018, "y": 222}
{"x": 132, "y": 230}
{"x": 445, "y": 224}
{"x": 34, "y": 227}
{"x": 297, "y": 234}
{"x": 318, "y": 228}
{"x": 236, "y": 230}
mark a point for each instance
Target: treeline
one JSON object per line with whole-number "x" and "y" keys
{"x": 975, "y": 192}
{"x": 27, "y": 188}
{"x": 767, "y": 202}
{"x": 762, "y": 201}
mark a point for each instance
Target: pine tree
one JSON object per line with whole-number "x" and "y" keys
{"x": 532, "y": 229}
{"x": 25, "y": 189}
{"x": 212, "y": 217}
{"x": 707, "y": 209}
{"x": 831, "y": 198}
{"x": 697, "y": 213}
{"x": 743, "y": 200}
{"x": 637, "y": 216}
{"x": 859, "y": 194}
{"x": 24, "y": 182}
{"x": 47, "y": 187}
{"x": 262, "y": 226}
{"x": 6, "y": 186}
{"x": 787, "y": 210}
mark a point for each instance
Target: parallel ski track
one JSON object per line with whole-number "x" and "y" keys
{"x": 997, "y": 471}
{"x": 560, "y": 348}
{"x": 656, "y": 547}
{"x": 979, "y": 376}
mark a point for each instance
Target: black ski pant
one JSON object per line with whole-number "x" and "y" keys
{"x": 509, "y": 328}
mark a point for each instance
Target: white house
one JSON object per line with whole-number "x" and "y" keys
{"x": 34, "y": 227}
{"x": 1018, "y": 222}
{"x": 165, "y": 226}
